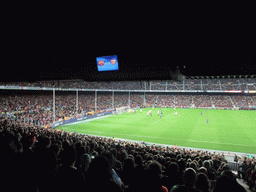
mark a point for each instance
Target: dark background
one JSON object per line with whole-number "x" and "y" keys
{"x": 55, "y": 43}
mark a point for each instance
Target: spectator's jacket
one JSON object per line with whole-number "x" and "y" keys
{"x": 185, "y": 188}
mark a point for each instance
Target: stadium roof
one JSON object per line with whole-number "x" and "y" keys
{"x": 220, "y": 77}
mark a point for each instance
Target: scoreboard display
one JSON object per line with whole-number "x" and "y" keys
{"x": 107, "y": 63}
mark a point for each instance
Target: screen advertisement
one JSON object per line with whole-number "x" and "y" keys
{"x": 107, "y": 63}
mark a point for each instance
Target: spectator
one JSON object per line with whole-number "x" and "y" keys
{"x": 84, "y": 164}
{"x": 253, "y": 179}
{"x": 225, "y": 183}
{"x": 139, "y": 175}
{"x": 172, "y": 176}
{"x": 193, "y": 165}
{"x": 203, "y": 183}
{"x": 118, "y": 167}
{"x": 242, "y": 170}
{"x": 182, "y": 166}
{"x": 189, "y": 182}
{"x": 128, "y": 171}
{"x": 210, "y": 173}
{"x": 203, "y": 170}
{"x": 68, "y": 176}
{"x": 46, "y": 164}
{"x": 154, "y": 176}
{"x": 200, "y": 163}
{"x": 99, "y": 177}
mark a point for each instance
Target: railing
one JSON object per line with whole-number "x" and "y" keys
{"x": 233, "y": 166}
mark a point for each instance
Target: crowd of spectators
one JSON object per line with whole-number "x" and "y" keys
{"x": 221, "y": 101}
{"x": 211, "y": 87}
{"x": 86, "y": 102}
{"x": 247, "y": 80}
{"x": 247, "y": 171}
{"x": 250, "y": 87}
{"x": 121, "y": 99}
{"x": 165, "y": 100}
{"x": 230, "y": 87}
{"x": 171, "y": 82}
{"x": 192, "y": 81}
{"x": 187, "y": 84}
{"x": 254, "y": 100}
{"x": 212, "y": 81}
{"x": 232, "y": 81}
{"x": 159, "y": 87}
{"x": 183, "y": 101}
{"x": 175, "y": 87}
{"x": 58, "y": 161}
{"x": 37, "y": 159}
{"x": 136, "y": 100}
{"x": 202, "y": 101}
{"x": 38, "y": 108}
{"x": 241, "y": 101}
{"x": 29, "y": 108}
{"x": 150, "y": 99}
{"x": 192, "y": 87}
{"x": 124, "y": 85}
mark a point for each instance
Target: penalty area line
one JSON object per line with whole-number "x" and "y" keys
{"x": 162, "y": 118}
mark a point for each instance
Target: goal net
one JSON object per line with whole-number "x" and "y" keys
{"x": 121, "y": 110}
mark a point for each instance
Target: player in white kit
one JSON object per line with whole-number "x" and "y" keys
{"x": 150, "y": 113}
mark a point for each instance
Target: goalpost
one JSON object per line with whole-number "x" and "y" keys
{"x": 121, "y": 110}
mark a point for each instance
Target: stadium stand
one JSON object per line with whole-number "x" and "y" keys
{"x": 68, "y": 164}
{"x": 202, "y": 101}
{"x": 59, "y": 161}
{"x": 241, "y": 101}
{"x": 150, "y": 99}
{"x": 187, "y": 84}
{"x": 221, "y": 101}
{"x": 183, "y": 101}
{"x": 165, "y": 100}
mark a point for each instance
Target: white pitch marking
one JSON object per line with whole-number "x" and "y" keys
{"x": 170, "y": 138}
{"x": 162, "y": 118}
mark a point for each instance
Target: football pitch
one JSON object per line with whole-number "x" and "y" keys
{"x": 228, "y": 130}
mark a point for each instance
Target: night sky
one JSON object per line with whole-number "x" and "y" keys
{"x": 60, "y": 48}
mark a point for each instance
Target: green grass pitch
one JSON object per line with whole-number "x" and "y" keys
{"x": 228, "y": 130}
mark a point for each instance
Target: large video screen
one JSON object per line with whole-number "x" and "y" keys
{"x": 107, "y": 63}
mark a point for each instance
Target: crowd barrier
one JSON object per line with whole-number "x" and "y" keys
{"x": 233, "y": 166}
